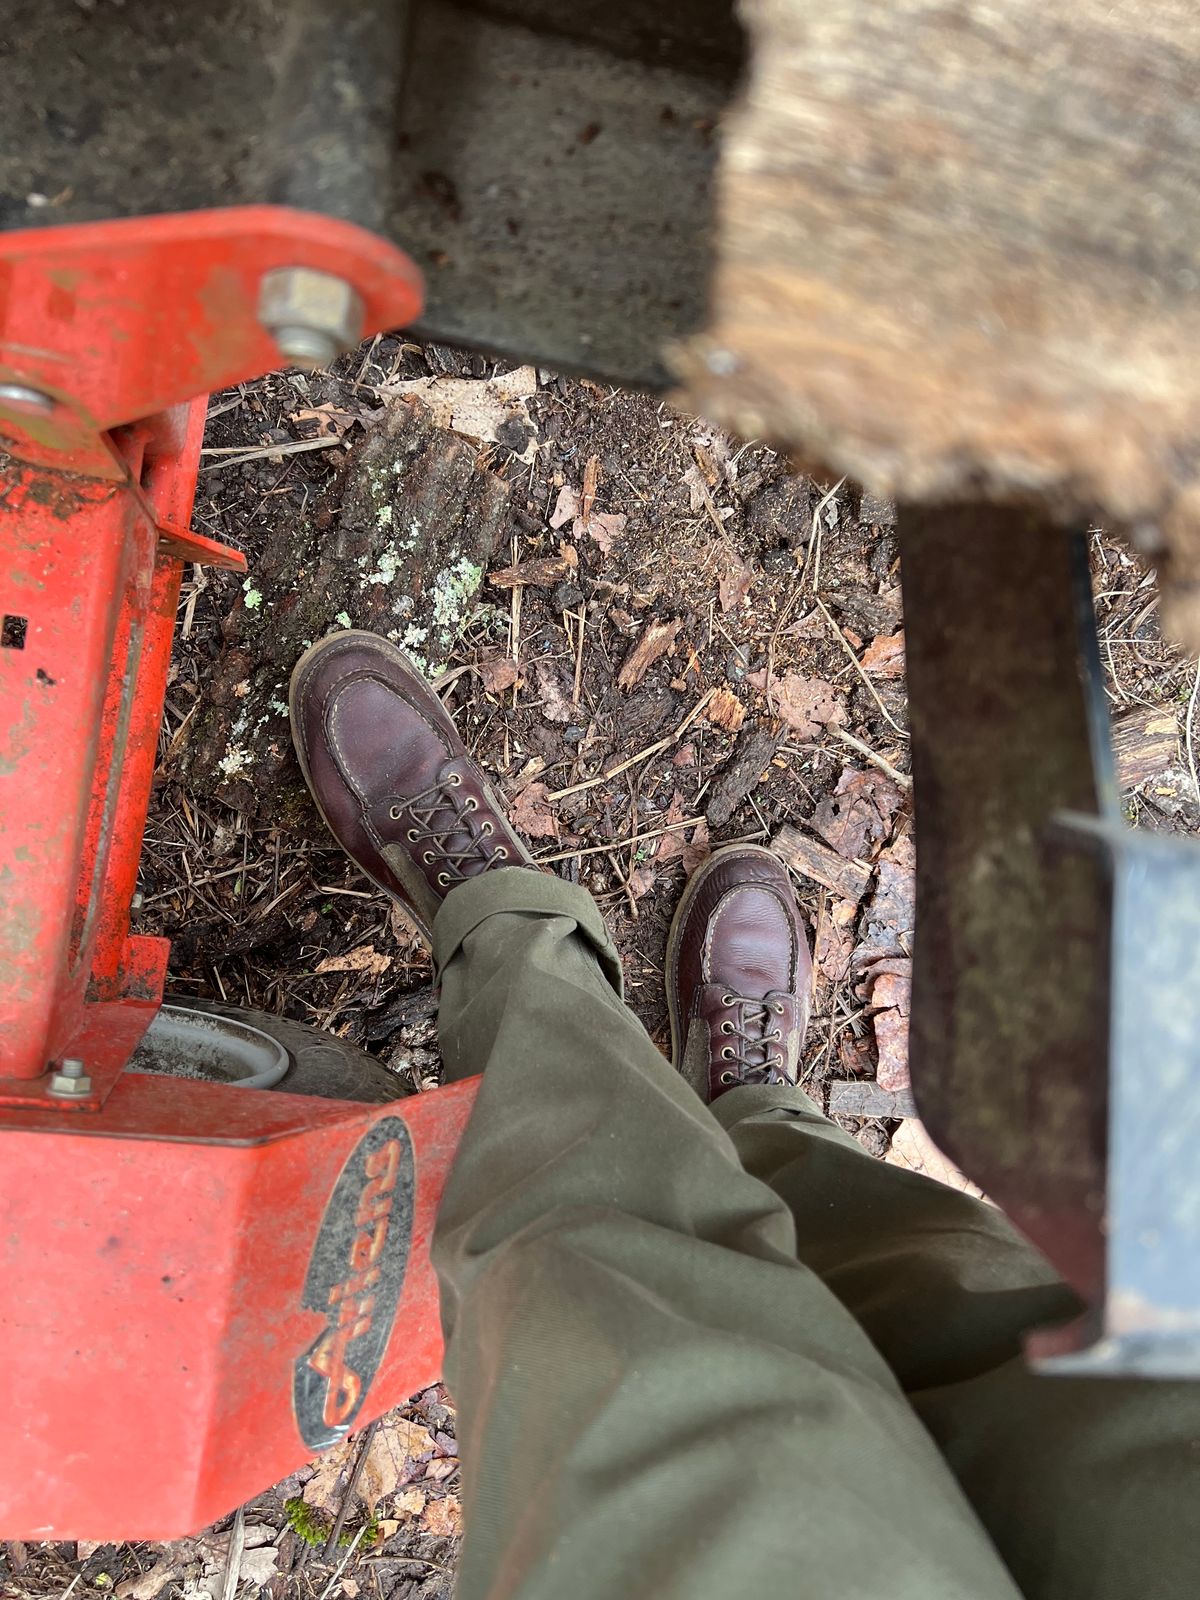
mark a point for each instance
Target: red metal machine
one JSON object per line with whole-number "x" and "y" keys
{"x": 203, "y": 1283}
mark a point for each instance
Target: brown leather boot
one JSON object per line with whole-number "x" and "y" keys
{"x": 739, "y": 974}
{"x": 390, "y": 775}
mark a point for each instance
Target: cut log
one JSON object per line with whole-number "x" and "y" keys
{"x": 957, "y": 252}
{"x": 398, "y": 546}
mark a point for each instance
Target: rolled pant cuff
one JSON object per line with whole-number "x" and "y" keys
{"x": 522, "y": 889}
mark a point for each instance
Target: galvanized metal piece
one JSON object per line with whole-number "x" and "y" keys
{"x": 183, "y": 1043}
{"x": 70, "y": 1081}
{"x": 312, "y": 316}
{"x": 21, "y": 397}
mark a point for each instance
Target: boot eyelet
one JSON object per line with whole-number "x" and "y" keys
{"x": 470, "y": 803}
{"x": 727, "y": 1054}
{"x": 728, "y": 1077}
{"x": 443, "y": 879}
{"x": 726, "y": 999}
{"x": 394, "y": 813}
{"x": 727, "y": 1027}
{"x": 486, "y": 829}
{"x": 412, "y": 835}
{"x": 428, "y": 858}
{"x": 455, "y": 780}
{"x": 778, "y": 1008}
{"x": 502, "y": 852}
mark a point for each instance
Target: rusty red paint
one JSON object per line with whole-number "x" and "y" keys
{"x": 160, "y": 1241}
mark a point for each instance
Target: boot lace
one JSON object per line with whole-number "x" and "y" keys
{"x": 754, "y": 1052}
{"x": 437, "y": 818}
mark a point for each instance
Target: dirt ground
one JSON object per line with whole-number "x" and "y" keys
{"x": 708, "y": 647}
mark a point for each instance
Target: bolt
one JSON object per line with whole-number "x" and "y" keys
{"x": 20, "y": 397}
{"x": 70, "y": 1081}
{"x": 311, "y": 315}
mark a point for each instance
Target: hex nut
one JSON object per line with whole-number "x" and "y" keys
{"x": 311, "y": 315}
{"x": 70, "y": 1081}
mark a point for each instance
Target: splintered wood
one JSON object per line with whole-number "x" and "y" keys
{"x": 957, "y": 255}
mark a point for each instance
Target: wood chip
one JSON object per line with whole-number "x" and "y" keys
{"x": 1145, "y": 743}
{"x": 752, "y": 755}
{"x": 657, "y": 639}
{"x": 543, "y": 573}
{"x": 726, "y": 711}
{"x": 591, "y": 482}
{"x": 365, "y": 959}
{"x": 816, "y": 861}
{"x": 869, "y": 1100}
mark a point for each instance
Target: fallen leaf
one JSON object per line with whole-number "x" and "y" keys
{"x": 641, "y": 880}
{"x": 857, "y": 817}
{"x": 488, "y": 410}
{"x": 697, "y": 489}
{"x": 349, "y": 1588}
{"x": 532, "y": 813}
{"x": 167, "y": 1567}
{"x": 409, "y": 1502}
{"x": 441, "y": 1467}
{"x": 555, "y": 696}
{"x": 364, "y": 959}
{"x": 685, "y": 756}
{"x": 591, "y": 482}
{"x": 323, "y": 422}
{"x": 913, "y": 1149}
{"x": 806, "y": 705}
{"x": 891, "y": 911}
{"x": 86, "y": 1548}
{"x": 566, "y": 507}
{"x": 605, "y": 527}
{"x": 656, "y": 640}
{"x": 18, "y": 1555}
{"x": 833, "y": 941}
{"x": 397, "y": 1449}
{"x": 733, "y": 584}
{"x": 497, "y": 672}
{"x": 542, "y": 573}
{"x": 697, "y": 850}
{"x": 258, "y": 1566}
{"x": 884, "y": 656}
{"x": 323, "y": 1491}
{"x": 670, "y": 845}
{"x": 725, "y": 710}
{"x": 444, "y": 1517}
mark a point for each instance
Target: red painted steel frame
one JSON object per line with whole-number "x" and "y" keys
{"x": 158, "y": 1254}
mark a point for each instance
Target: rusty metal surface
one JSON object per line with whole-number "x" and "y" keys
{"x": 1055, "y": 1040}
{"x": 552, "y": 174}
{"x": 1009, "y": 1037}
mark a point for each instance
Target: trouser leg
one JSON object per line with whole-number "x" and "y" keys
{"x": 1089, "y": 1487}
{"x": 655, "y": 1397}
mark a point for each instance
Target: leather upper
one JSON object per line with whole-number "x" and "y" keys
{"x": 740, "y": 973}
{"x": 390, "y": 774}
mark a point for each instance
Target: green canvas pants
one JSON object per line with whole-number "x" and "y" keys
{"x": 721, "y": 1352}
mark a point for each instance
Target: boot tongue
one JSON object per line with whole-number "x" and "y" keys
{"x": 750, "y": 940}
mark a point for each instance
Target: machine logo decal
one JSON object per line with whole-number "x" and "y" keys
{"x": 354, "y": 1280}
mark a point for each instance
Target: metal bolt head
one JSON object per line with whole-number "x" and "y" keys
{"x": 70, "y": 1081}
{"x": 22, "y": 397}
{"x": 311, "y": 315}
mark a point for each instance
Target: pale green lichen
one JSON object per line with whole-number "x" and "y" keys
{"x": 235, "y": 762}
{"x": 342, "y": 620}
{"x": 252, "y": 596}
